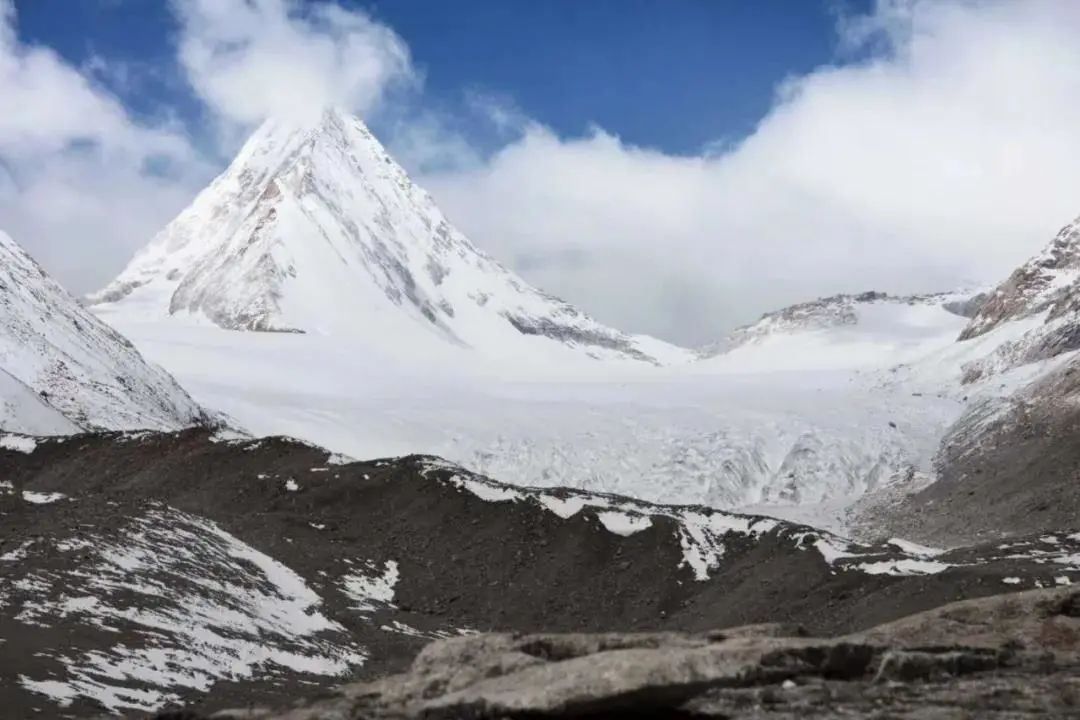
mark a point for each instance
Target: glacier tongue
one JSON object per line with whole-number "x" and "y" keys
{"x": 316, "y": 229}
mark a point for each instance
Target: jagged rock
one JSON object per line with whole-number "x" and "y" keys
{"x": 1021, "y": 650}
{"x": 1041, "y": 283}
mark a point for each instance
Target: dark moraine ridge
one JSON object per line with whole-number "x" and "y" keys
{"x": 462, "y": 563}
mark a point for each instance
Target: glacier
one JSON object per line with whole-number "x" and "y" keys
{"x": 313, "y": 290}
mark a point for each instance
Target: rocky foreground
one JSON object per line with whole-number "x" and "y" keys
{"x": 1001, "y": 657}
{"x": 141, "y": 572}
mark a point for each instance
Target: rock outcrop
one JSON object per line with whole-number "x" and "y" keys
{"x": 1006, "y": 656}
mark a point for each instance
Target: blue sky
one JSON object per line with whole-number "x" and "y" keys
{"x": 673, "y": 74}
{"x": 674, "y": 167}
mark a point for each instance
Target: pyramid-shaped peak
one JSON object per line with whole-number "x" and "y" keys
{"x": 279, "y": 140}
{"x": 315, "y": 228}
{"x": 330, "y": 122}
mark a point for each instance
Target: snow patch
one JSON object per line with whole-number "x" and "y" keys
{"x": 339, "y": 459}
{"x": 833, "y": 549}
{"x": 18, "y": 443}
{"x": 904, "y": 566}
{"x": 624, "y": 524}
{"x": 373, "y": 589}
{"x": 564, "y": 507}
{"x": 205, "y": 606}
{"x": 42, "y": 498}
{"x": 489, "y": 492}
{"x": 911, "y": 548}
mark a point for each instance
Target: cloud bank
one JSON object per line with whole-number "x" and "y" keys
{"x": 250, "y": 60}
{"x": 941, "y": 148}
{"x": 81, "y": 184}
{"x": 943, "y": 156}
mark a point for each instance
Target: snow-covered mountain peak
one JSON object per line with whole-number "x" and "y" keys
{"x": 62, "y": 369}
{"x": 315, "y": 228}
{"x": 1046, "y": 281}
{"x": 847, "y": 330}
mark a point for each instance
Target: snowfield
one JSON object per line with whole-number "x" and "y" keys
{"x": 731, "y": 432}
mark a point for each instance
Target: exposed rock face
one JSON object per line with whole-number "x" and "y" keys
{"x": 86, "y": 372}
{"x": 1011, "y": 656}
{"x": 148, "y": 570}
{"x": 1047, "y": 281}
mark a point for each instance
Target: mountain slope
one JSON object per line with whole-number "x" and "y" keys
{"x": 317, "y": 229}
{"x": 1037, "y": 307}
{"x": 1047, "y": 281}
{"x": 844, "y": 331}
{"x": 23, "y": 411}
{"x": 62, "y": 369}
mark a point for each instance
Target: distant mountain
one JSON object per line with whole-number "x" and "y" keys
{"x": 62, "y": 369}
{"x": 1008, "y": 464}
{"x": 849, "y": 330}
{"x": 1050, "y": 281}
{"x": 1037, "y": 309}
{"x": 315, "y": 229}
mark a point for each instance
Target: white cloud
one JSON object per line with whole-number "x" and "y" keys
{"x": 75, "y": 190}
{"x": 251, "y": 59}
{"x": 948, "y": 156}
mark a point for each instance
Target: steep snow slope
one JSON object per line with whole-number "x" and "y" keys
{"x": 23, "y": 411}
{"x": 62, "y": 367}
{"x": 316, "y": 229}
